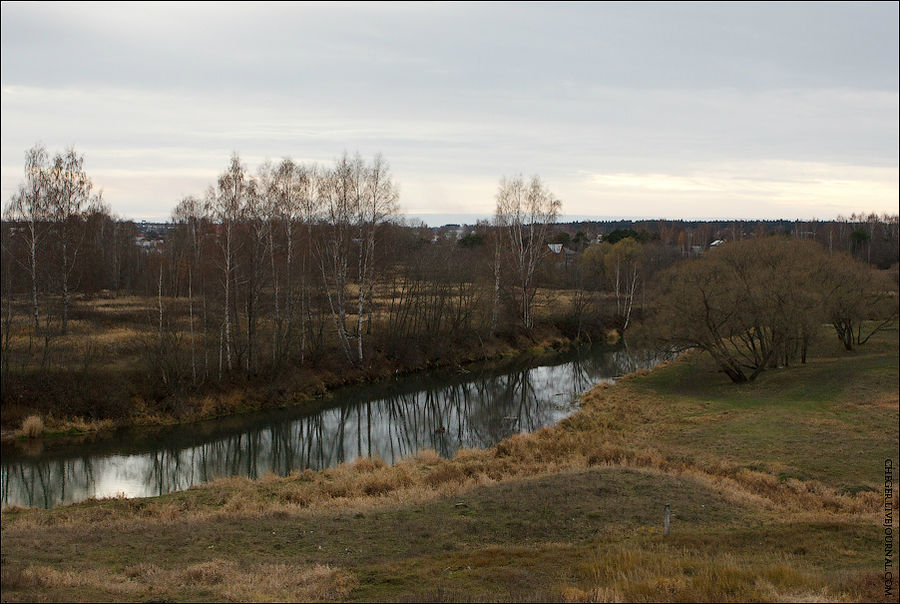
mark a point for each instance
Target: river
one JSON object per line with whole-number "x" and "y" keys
{"x": 443, "y": 410}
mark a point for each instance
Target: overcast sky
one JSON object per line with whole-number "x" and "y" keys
{"x": 629, "y": 110}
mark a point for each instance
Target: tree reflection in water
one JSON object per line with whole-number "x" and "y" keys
{"x": 476, "y": 412}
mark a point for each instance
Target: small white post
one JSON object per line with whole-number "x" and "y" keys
{"x": 668, "y": 515}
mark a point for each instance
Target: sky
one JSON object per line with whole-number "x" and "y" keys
{"x": 635, "y": 110}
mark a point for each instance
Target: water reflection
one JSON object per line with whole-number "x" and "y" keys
{"x": 394, "y": 421}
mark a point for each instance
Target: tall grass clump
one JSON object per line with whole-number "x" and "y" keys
{"x": 32, "y": 427}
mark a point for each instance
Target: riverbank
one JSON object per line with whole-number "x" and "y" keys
{"x": 775, "y": 490}
{"x": 444, "y": 410}
{"x": 306, "y": 388}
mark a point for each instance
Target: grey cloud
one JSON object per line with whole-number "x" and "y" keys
{"x": 455, "y": 90}
{"x": 348, "y": 48}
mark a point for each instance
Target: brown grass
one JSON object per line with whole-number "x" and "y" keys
{"x": 32, "y": 427}
{"x": 220, "y": 579}
{"x": 657, "y": 573}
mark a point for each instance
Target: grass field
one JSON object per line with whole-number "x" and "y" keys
{"x": 776, "y": 492}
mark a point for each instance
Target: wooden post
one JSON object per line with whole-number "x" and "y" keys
{"x": 668, "y": 515}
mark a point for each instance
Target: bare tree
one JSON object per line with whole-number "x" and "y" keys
{"x": 227, "y": 203}
{"x": 858, "y": 300}
{"x": 7, "y": 260}
{"x": 497, "y": 273}
{"x": 340, "y": 193}
{"x": 69, "y": 192}
{"x": 306, "y": 211}
{"x": 623, "y": 266}
{"x": 272, "y": 214}
{"x": 377, "y": 202}
{"x": 289, "y": 202}
{"x": 30, "y": 205}
{"x": 525, "y": 211}
{"x": 190, "y": 214}
{"x": 257, "y": 217}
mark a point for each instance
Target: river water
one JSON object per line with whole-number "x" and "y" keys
{"x": 444, "y": 411}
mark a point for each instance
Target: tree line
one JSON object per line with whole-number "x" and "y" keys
{"x": 305, "y": 265}
{"x": 294, "y": 265}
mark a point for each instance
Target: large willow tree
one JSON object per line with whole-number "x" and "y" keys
{"x": 750, "y": 304}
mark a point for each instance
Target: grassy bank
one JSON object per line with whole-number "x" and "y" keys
{"x": 775, "y": 490}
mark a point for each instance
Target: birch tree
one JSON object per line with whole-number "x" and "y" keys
{"x": 377, "y": 202}
{"x": 190, "y": 214}
{"x": 257, "y": 217}
{"x": 291, "y": 205}
{"x": 69, "y": 192}
{"x": 272, "y": 215}
{"x": 30, "y": 205}
{"x": 303, "y": 209}
{"x": 526, "y": 211}
{"x": 227, "y": 203}
{"x": 340, "y": 204}
{"x": 623, "y": 265}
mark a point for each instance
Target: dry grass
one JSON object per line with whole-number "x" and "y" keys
{"x": 673, "y": 573}
{"x": 659, "y": 574}
{"x": 220, "y": 579}
{"x": 32, "y": 427}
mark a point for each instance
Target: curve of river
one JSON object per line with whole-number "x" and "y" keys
{"x": 444, "y": 411}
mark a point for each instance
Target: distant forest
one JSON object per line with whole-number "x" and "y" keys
{"x": 871, "y": 237}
